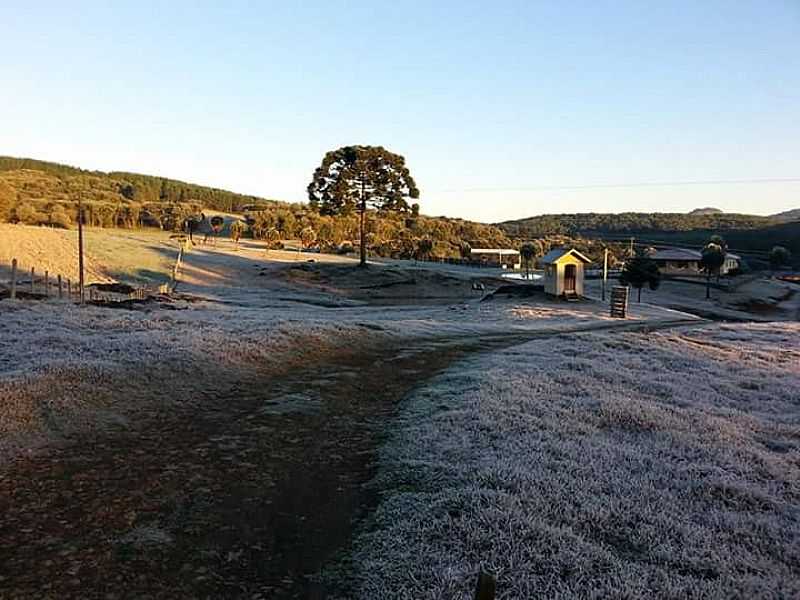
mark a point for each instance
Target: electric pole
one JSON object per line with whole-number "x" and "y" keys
{"x": 80, "y": 247}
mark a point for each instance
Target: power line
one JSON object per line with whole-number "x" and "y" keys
{"x": 624, "y": 185}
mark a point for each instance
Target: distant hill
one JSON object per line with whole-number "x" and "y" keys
{"x": 744, "y": 233}
{"x": 44, "y": 193}
{"x": 625, "y": 223}
{"x": 706, "y": 211}
{"x": 46, "y": 187}
{"x": 788, "y": 215}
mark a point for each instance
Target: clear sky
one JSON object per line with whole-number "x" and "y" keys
{"x": 493, "y": 104}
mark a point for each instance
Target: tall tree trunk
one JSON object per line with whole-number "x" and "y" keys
{"x": 363, "y": 261}
{"x": 708, "y": 284}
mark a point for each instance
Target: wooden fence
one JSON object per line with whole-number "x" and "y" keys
{"x": 40, "y": 284}
{"x": 43, "y": 284}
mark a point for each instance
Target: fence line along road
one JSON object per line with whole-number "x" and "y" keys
{"x": 46, "y": 286}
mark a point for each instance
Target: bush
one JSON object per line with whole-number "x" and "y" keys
{"x": 25, "y": 213}
{"x": 59, "y": 218}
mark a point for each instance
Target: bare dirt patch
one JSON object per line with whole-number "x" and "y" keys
{"x": 381, "y": 284}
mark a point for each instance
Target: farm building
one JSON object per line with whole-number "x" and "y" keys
{"x": 502, "y": 257}
{"x": 682, "y": 261}
{"x": 563, "y": 272}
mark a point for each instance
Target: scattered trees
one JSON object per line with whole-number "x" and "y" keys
{"x": 424, "y": 248}
{"x": 308, "y": 236}
{"x": 271, "y": 235}
{"x": 639, "y": 271}
{"x": 355, "y": 178}
{"x": 779, "y": 257}
{"x": 712, "y": 258}
{"x": 527, "y": 252}
{"x": 236, "y": 230}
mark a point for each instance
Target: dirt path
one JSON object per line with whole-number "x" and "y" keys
{"x": 244, "y": 497}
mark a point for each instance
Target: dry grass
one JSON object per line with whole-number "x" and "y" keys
{"x": 598, "y": 466}
{"x": 111, "y": 254}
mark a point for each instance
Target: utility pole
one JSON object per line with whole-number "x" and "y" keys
{"x": 80, "y": 247}
{"x": 605, "y": 271}
{"x": 363, "y": 249}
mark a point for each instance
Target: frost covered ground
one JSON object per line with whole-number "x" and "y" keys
{"x": 592, "y": 460}
{"x": 64, "y": 368}
{"x": 597, "y": 465}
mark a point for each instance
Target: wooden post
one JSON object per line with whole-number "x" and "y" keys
{"x": 13, "y": 278}
{"x": 60, "y": 288}
{"x": 80, "y": 246}
{"x": 485, "y": 589}
{"x": 619, "y": 302}
{"x": 69, "y": 289}
{"x": 605, "y": 272}
{"x": 47, "y": 283}
{"x": 33, "y": 275}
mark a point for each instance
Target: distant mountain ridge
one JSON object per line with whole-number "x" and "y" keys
{"x": 708, "y": 210}
{"x": 788, "y": 215}
{"x": 630, "y": 222}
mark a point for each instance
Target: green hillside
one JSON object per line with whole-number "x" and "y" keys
{"x": 599, "y": 223}
{"x": 745, "y": 233}
{"x": 39, "y": 192}
{"x": 44, "y": 193}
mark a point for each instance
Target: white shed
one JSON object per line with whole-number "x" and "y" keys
{"x": 563, "y": 272}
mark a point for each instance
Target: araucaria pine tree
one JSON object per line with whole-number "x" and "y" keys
{"x": 356, "y": 178}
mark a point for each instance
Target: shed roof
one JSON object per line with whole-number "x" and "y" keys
{"x": 558, "y": 253}
{"x": 685, "y": 254}
{"x": 500, "y": 251}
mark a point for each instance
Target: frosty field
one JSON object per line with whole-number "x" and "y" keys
{"x": 280, "y": 428}
{"x": 599, "y": 465}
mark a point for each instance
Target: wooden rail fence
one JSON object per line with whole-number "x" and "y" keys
{"x": 41, "y": 284}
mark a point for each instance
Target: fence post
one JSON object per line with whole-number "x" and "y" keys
{"x": 33, "y": 274}
{"x": 485, "y": 589}
{"x": 69, "y": 289}
{"x": 13, "y": 278}
{"x": 47, "y": 283}
{"x": 60, "y": 288}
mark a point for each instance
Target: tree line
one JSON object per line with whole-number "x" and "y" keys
{"x": 630, "y": 222}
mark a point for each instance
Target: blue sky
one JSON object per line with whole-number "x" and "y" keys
{"x": 493, "y": 104}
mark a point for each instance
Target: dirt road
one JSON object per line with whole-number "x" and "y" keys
{"x": 242, "y": 497}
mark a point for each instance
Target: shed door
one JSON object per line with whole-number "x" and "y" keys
{"x": 570, "y": 274}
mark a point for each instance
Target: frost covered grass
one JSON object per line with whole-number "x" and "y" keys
{"x": 65, "y": 369}
{"x": 598, "y": 465}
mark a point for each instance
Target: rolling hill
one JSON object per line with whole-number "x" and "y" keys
{"x": 36, "y": 192}
{"x": 788, "y": 215}
{"x": 751, "y": 234}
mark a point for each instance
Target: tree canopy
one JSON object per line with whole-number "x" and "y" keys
{"x": 639, "y": 271}
{"x": 356, "y": 178}
{"x": 712, "y": 258}
{"x": 779, "y": 256}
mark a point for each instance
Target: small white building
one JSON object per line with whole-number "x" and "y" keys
{"x": 563, "y": 272}
{"x": 502, "y": 257}
{"x": 682, "y": 261}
